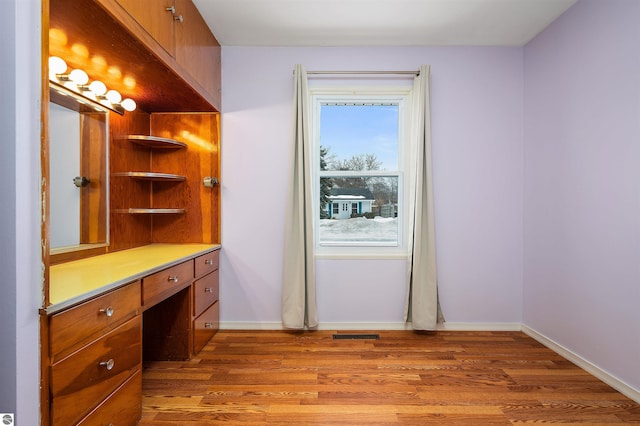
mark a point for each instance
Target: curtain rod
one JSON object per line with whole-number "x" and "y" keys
{"x": 417, "y": 72}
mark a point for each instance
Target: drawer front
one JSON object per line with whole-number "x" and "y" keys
{"x": 206, "y": 290}
{"x": 162, "y": 284}
{"x": 207, "y": 263}
{"x": 83, "y": 323}
{"x": 205, "y": 326}
{"x": 82, "y": 380}
{"x": 122, "y": 408}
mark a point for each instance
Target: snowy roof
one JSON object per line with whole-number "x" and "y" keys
{"x": 350, "y": 193}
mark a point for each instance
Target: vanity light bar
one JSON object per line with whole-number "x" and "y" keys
{"x": 76, "y": 80}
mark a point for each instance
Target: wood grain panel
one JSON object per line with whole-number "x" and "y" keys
{"x": 444, "y": 377}
{"x": 206, "y": 290}
{"x": 155, "y": 19}
{"x": 159, "y": 286}
{"x": 197, "y": 49}
{"x": 123, "y": 407}
{"x": 200, "y": 223}
{"x": 44, "y": 213}
{"x": 205, "y": 326}
{"x": 79, "y": 382}
{"x": 93, "y": 165}
{"x": 167, "y": 333}
{"x": 207, "y": 263}
{"x": 82, "y": 323}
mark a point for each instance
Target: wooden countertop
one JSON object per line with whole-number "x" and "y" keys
{"x": 73, "y": 282}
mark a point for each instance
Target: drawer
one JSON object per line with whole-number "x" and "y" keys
{"x": 163, "y": 284}
{"x": 207, "y": 263}
{"x": 82, "y": 380}
{"x": 205, "y": 326}
{"x": 122, "y": 408}
{"x": 83, "y": 323}
{"x": 206, "y": 290}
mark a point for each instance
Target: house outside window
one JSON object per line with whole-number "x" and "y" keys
{"x": 359, "y": 164}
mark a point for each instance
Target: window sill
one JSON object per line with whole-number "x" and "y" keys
{"x": 360, "y": 254}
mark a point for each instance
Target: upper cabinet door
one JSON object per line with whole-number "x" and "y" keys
{"x": 196, "y": 49}
{"x": 156, "y": 17}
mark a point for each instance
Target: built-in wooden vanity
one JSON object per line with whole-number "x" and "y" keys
{"x": 149, "y": 289}
{"x": 112, "y": 312}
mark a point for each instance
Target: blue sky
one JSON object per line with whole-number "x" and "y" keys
{"x": 352, "y": 130}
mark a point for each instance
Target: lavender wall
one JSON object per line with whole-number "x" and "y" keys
{"x": 582, "y": 185}
{"x": 477, "y": 137}
{"x": 20, "y": 211}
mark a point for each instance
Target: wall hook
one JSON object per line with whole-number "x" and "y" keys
{"x": 81, "y": 181}
{"x": 209, "y": 181}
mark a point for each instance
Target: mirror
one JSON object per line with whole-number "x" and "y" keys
{"x": 78, "y": 177}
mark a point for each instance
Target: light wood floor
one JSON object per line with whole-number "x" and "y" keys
{"x": 286, "y": 378}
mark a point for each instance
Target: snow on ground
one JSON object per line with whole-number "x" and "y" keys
{"x": 379, "y": 229}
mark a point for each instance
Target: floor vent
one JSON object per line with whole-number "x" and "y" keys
{"x": 355, "y": 336}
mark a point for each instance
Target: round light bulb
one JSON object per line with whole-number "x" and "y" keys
{"x": 113, "y": 96}
{"x": 98, "y": 88}
{"x": 57, "y": 65}
{"x": 128, "y": 104}
{"x": 79, "y": 77}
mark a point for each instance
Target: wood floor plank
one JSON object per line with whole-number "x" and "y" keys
{"x": 448, "y": 377}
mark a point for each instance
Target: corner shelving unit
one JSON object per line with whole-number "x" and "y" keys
{"x": 154, "y": 142}
{"x": 156, "y": 177}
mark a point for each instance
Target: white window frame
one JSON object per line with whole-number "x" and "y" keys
{"x": 394, "y": 95}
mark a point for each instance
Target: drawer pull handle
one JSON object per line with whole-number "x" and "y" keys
{"x": 108, "y": 364}
{"x": 173, "y": 278}
{"x": 171, "y": 9}
{"x": 108, "y": 311}
{"x": 208, "y": 325}
{"x": 208, "y": 290}
{"x": 208, "y": 261}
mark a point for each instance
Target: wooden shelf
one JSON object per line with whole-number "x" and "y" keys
{"x": 156, "y": 142}
{"x": 156, "y": 177}
{"x": 151, "y": 211}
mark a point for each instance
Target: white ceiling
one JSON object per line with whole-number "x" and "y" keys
{"x": 379, "y": 22}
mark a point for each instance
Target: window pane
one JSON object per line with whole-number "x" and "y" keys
{"x": 359, "y": 137}
{"x": 359, "y": 209}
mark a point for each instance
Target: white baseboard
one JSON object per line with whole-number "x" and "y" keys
{"x": 277, "y": 325}
{"x": 480, "y": 326}
{"x": 612, "y": 381}
{"x": 458, "y": 326}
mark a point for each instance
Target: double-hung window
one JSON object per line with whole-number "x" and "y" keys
{"x": 359, "y": 146}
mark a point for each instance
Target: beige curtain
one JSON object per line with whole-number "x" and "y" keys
{"x": 421, "y": 307}
{"x": 299, "y": 281}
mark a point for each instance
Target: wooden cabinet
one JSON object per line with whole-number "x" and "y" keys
{"x": 117, "y": 408}
{"x": 197, "y": 50}
{"x": 82, "y": 323}
{"x": 206, "y": 305}
{"x": 165, "y": 283}
{"x": 156, "y": 17}
{"x": 205, "y": 326}
{"x": 178, "y": 27}
{"x": 156, "y": 179}
{"x": 96, "y": 349}
{"x": 206, "y": 291}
